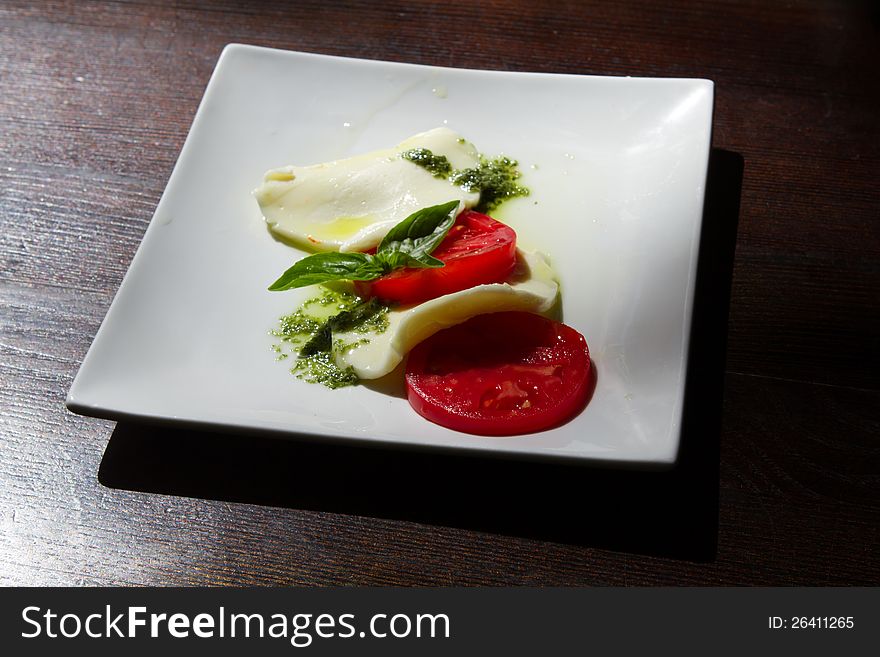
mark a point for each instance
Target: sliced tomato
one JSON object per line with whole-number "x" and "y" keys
{"x": 476, "y": 250}
{"x": 500, "y": 374}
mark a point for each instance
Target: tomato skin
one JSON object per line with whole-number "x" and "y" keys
{"x": 477, "y": 250}
{"x": 500, "y": 374}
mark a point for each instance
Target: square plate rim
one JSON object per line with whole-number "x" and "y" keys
{"x": 664, "y": 460}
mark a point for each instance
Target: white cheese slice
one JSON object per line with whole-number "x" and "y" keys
{"x": 350, "y": 205}
{"x": 531, "y": 288}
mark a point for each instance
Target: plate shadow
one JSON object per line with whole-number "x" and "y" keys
{"x": 670, "y": 513}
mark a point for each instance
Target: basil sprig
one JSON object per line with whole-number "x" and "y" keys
{"x": 409, "y": 244}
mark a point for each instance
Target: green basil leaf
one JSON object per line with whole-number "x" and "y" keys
{"x": 346, "y": 320}
{"x": 424, "y": 261}
{"x": 422, "y": 231}
{"x": 324, "y": 267}
{"x": 408, "y": 244}
{"x": 392, "y": 260}
{"x": 355, "y": 316}
{"x": 322, "y": 340}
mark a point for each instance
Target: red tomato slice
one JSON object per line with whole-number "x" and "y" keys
{"x": 500, "y": 374}
{"x": 476, "y": 250}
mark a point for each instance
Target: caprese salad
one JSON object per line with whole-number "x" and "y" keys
{"x": 408, "y": 261}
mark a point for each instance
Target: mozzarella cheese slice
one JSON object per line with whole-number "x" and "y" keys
{"x": 350, "y": 205}
{"x": 531, "y": 288}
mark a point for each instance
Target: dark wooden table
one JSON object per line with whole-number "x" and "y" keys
{"x": 780, "y": 464}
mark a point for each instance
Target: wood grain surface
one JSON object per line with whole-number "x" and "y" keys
{"x": 779, "y": 475}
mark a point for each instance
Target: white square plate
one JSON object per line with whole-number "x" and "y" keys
{"x": 617, "y": 169}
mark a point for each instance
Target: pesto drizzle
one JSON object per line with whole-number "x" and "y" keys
{"x": 437, "y": 165}
{"x": 495, "y": 178}
{"x": 308, "y": 333}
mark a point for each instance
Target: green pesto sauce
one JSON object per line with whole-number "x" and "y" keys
{"x": 321, "y": 368}
{"x": 495, "y": 178}
{"x": 307, "y": 333}
{"x": 437, "y": 165}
